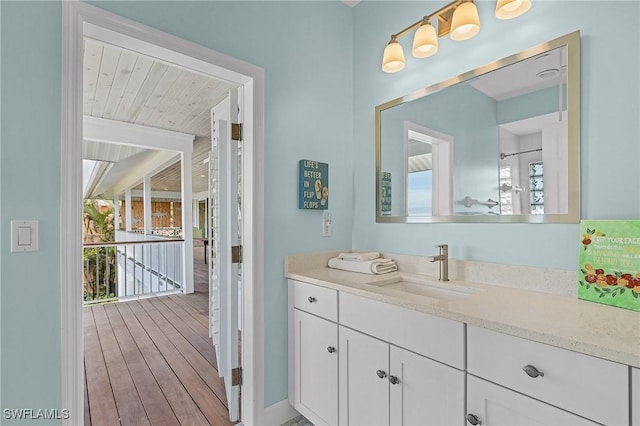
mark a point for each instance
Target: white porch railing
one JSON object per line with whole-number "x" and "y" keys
{"x": 133, "y": 269}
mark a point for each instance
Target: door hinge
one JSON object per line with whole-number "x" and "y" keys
{"x": 236, "y": 131}
{"x": 236, "y": 376}
{"x": 236, "y": 254}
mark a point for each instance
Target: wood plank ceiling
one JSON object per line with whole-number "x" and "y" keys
{"x": 126, "y": 86}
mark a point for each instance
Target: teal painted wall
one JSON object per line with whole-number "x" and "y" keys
{"x": 305, "y": 49}
{"x": 610, "y": 130}
{"x": 470, "y": 118}
{"x": 30, "y": 189}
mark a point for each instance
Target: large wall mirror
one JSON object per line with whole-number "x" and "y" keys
{"x": 500, "y": 143}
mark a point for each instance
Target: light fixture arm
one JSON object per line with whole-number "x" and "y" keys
{"x": 443, "y": 14}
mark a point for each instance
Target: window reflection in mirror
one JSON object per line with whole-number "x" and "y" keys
{"x": 495, "y": 143}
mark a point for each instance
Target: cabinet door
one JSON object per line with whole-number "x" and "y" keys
{"x": 364, "y": 381}
{"x": 494, "y": 405}
{"x": 316, "y": 368}
{"x": 426, "y": 392}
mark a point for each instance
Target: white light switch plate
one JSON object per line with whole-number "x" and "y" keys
{"x": 326, "y": 224}
{"x": 24, "y": 235}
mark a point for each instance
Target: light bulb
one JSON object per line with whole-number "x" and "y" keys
{"x": 507, "y": 9}
{"x": 465, "y": 22}
{"x": 425, "y": 41}
{"x": 393, "y": 57}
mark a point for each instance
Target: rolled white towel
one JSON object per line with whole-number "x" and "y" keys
{"x": 361, "y": 257}
{"x": 376, "y": 266}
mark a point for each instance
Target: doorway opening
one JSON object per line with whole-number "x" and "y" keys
{"x": 80, "y": 21}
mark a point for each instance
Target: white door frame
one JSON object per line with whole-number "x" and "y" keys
{"x": 442, "y": 149}
{"x": 78, "y": 17}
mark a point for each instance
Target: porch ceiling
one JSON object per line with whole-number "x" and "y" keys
{"x": 125, "y": 86}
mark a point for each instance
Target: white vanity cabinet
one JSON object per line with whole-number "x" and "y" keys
{"x": 586, "y": 386}
{"x": 635, "y": 396}
{"x": 382, "y": 383}
{"x": 355, "y": 360}
{"x": 491, "y": 405}
{"x": 364, "y": 384}
{"x": 314, "y": 348}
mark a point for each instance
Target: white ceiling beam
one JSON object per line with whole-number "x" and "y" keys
{"x": 130, "y": 172}
{"x": 165, "y": 195}
{"x": 117, "y": 132}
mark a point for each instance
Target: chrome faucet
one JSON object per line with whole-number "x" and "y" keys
{"x": 443, "y": 258}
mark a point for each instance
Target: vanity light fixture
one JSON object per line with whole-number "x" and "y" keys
{"x": 459, "y": 19}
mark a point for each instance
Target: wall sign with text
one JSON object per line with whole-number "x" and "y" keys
{"x": 313, "y": 193}
{"x": 609, "y": 270}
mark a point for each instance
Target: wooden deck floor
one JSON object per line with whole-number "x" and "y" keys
{"x": 151, "y": 361}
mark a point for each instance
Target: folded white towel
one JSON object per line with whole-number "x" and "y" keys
{"x": 361, "y": 257}
{"x": 376, "y": 266}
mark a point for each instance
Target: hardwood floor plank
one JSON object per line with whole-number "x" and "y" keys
{"x": 126, "y": 395}
{"x": 155, "y": 404}
{"x": 184, "y": 408}
{"x": 204, "y": 346}
{"x": 164, "y": 345}
{"x": 203, "y": 396}
{"x": 199, "y": 363}
{"x": 103, "y": 405}
{"x": 176, "y": 308}
{"x": 185, "y": 310}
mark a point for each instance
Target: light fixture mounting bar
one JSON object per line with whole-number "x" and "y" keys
{"x": 443, "y": 14}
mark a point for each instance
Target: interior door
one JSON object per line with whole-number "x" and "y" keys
{"x": 225, "y": 273}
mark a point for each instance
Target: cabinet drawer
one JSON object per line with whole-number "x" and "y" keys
{"x": 591, "y": 387}
{"x": 434, "y": 337}
{"x": 494, "y": 405}
{"x": 316, "y": 300}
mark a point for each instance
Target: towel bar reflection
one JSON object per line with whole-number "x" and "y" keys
{"x": 468, "y": 202}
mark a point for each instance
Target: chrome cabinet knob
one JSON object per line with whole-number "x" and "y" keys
{"x": 532, "y": 371}
{"x": 394, "y": 380}
{"x": 331, "y": 349}
{"x": 311, "y": 299}
{"x": 473, "y": 419}
{"x": 381, "y": 374}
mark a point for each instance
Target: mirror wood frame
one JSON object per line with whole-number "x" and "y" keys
{"x": 572, "y": 41}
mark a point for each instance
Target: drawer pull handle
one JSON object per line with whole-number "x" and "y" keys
{"x": 394, "y": 380}
{"x": 473, "y": 419}
{"x": 532, "y": 371}
{"x": 311, "y": 299}
{"x": 381, "y": 374}
{"x": 331, "y": 349}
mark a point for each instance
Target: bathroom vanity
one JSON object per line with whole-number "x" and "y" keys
{"x": 404, "y": 348}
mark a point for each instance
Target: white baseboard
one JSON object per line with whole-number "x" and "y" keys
{"x": 279, "y": 413}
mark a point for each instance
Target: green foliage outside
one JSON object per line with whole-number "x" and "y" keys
{"x": 99, "y": 271}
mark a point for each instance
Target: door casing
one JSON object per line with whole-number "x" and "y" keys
{"x": 77, "y": 19}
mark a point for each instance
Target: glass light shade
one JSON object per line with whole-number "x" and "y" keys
{"x": 393, "y": 57}
{"x": 507, "y": 9}
{"x": 425, "y": 41}
{"x": 465, "y": 22}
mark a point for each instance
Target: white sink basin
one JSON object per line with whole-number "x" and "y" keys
{"x": 424, "y": 287}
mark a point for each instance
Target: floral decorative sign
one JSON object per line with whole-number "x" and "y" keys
{"x": 610, "y": 262}
{"x": 313, "y": 192}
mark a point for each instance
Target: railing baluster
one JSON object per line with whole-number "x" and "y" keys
{"x": 158, "y": 261}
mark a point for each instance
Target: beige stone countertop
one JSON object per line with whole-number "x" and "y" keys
{"x": 594, "y": 329}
